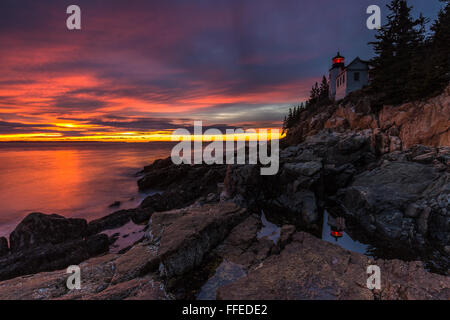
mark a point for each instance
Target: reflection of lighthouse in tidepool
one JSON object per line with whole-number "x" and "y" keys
{"x": 333, "y": 230}
{"x": 337, "y": 226}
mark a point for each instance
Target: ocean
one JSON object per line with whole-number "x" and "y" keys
{"x": 73, "y": 179}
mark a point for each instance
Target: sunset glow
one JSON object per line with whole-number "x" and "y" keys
{"x": 138, "y": 137}
{"x": 135, "y": 70}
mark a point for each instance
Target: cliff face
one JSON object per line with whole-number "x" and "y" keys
{"x": 394, "y": 128}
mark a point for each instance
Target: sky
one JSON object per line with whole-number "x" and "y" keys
{"x": 140, "y": 69}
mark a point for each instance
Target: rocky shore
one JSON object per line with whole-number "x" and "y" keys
{"x": 386, "y": 173}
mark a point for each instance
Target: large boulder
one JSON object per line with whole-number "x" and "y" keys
{"x": 164, "y": 175}
{"x": 179, "y": 186}
{"x": 111, "y": 221}
{"x": 401, "y": 200}
{"x": 51, "y": 257}
{"x": 138, "y": 261}
{"x": 185, "y": 236}
{"x": 41, "y": 229}
{"x": 102, "y": 278}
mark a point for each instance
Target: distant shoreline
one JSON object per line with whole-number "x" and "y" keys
{"x": 84, "y": 142}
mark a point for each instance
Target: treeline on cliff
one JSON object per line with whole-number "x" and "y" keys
{"x": 410, "y": 63}
{"x": 319, "y": 96}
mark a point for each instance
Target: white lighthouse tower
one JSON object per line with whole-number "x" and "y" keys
{"x": 337, "y": 67}
{"x": 346, "y": 79}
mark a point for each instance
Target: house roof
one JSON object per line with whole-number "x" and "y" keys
{"x": 355, "y": 60}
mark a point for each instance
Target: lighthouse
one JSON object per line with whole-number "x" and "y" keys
{"x": 346, "y": 79}
{"x": 336, "y": 68}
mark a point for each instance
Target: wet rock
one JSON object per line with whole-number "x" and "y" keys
{"x": 303, "y": 270}
{"x": 113, "y": 238}
{"x": 298, "y": 208}
{"x": 40, "y": 286}
{"x": 181, "y": 184}
{"x": 413, "y": 210}
{"x": 227, "y": 272}
{"x": 161, "y": 174}
{"x": 51, "y": 257}
{"x": 262, "y": 248}
{"x": 40, "y": 229}
{"x": 243, "y": 184}
{"x": 97, "y": 244}
{"x": 183, "y": 187}
{"x": 246, "y": 245}
{"x": 306, "y": 169}
{"x": 387, "y": 200}
{"x": 3, "y": 247}
{"x": 425, "y": 158}
{"x": 245, "y": 233}
{"x": 309, "y": 268}
{"x": 115, "y": 204}
{"x": 287, "y": 231}
{"x": 212, "y": 197}
{"x": 142, "y": 215}
{"x": 185, "y": 236}
{"x": 398, "y": 284}
{"x": 111, "y": 221}
{"x": 422, "y": 222}
{"x": 135, "y": 289}
{"x": 103, "y": 278}
{"x": 309, "y": 208}
{"x": 237, "y": 246}
{"x": 140, "y": 260}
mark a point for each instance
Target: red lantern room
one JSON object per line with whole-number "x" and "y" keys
{"x": 338, "y": 61}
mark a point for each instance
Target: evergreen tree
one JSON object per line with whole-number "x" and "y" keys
{"x": 324, "y": 91}
{"x": 440, "y": 48}
{"x": 397, "y": 41}
{"x": 430, "y": 69}
{"x": 418, "y": 80}
{"x": 284, "y": 125}
{"x": 290, "y": 118}
{"x": 314, "y": 96}
{"x": 293, "y": 117}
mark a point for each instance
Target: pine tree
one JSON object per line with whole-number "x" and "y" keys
{"x": 394, "y": 48}
{"x": 314, "y": 96}
{"x": 284, "y": 125}
{"x": 418, "y": 80}
{"x": 295, "y": 115}
{"x": 430, "y": 69}
{"x": 440, "y": 48}
{"x": 324, "y": 90}
{"x": 290, "y": 118}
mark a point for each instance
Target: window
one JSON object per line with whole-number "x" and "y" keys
{"x": 356, "y": 76}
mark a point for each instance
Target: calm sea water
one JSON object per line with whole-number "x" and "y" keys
{"x": 72, "y": 179}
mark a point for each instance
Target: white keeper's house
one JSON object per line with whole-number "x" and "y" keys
{"x": 345, "y": 79}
